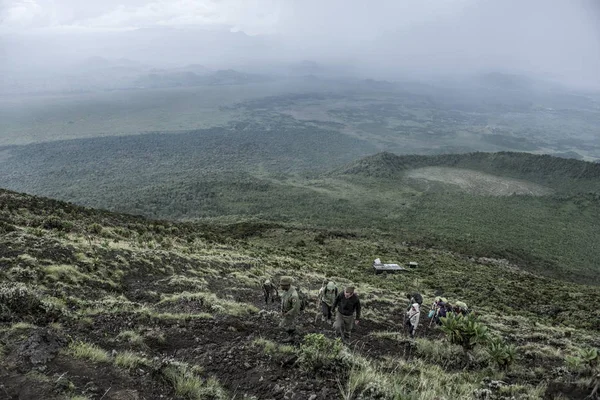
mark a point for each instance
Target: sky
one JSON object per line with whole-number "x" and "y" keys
{"x": 558, "y": 39}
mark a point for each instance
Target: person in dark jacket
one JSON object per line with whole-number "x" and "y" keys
{"x": 347, "y": 306}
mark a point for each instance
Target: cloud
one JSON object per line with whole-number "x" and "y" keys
{"x": 561, "y": 39}
{"x": 21, "y": 14}
{"x": 250, "y": 16}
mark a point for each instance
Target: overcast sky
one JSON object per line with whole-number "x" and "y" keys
{"x": 558, "y": 38}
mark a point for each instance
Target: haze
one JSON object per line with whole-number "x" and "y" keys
{"x": 388, "y": 39}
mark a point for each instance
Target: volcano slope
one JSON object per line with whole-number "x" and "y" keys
{"x": 98, "y": 305}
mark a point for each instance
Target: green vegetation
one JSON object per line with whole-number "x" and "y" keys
{"x": 179, "y": 302}
{"x": 188, "y": 385}
{"x": 317, "y": 352}
{"x": 89, "y": 352}
{"x": 130, "y": 360}
{"x": 546, "y": 234}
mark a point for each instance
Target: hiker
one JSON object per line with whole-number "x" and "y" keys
{"x": 460, "y": 308}
{"x": 290, "y": 308}
{"x": 438, "y": 310}
{"x": 327, "y": 295}
{"x": 347, "y": 306}
{"x": 412, "y": 318}
{"x": 414, "y": 298}
{"x": 270, "y": 291}
{"x": 441, "y": 313}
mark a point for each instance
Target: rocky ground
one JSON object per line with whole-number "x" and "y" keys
{"x": 96, "y": 305}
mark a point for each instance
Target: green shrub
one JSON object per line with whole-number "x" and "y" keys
{"x": 95, "y": 228}
{"x": 501, "y": 353}
{"x": 55, "y": 223}
{"x": 320, "y": 353}
{"x": 6, "y": 227}
{"x": 465, "y": 331}
{"x": 20, "y": 302}
{"x": 586, "y": 359}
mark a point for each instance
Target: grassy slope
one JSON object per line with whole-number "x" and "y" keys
{"x": 108, "y": 281}
{"x": 197, "y": 175}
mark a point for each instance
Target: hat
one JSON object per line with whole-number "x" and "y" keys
{"x": 285, "y": 280}
{"x": 330, "y": 286}
{"x": 267, "y": 282}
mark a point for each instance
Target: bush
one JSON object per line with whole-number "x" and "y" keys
{"x": 319, "y": 353}
{"x": 464, "y": 331}
{"x": 6, "y": 227}
{"x": 95, "y": 228}
{"x": 501, "y": 353}
{"x": 55, "y": 223}
{"x": 20, "y": 302}
{"x": 587, "y": 359}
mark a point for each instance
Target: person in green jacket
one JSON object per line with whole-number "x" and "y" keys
{"x": 290, "y": 308}
{"x": 327, "y": 295}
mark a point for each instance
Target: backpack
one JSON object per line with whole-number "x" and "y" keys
{"x": 303, "y": 299}
{"x": 418, "y": 298}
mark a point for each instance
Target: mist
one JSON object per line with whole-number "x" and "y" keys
{"x": 387, "y": 39}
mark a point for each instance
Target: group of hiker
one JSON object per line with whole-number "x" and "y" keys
{"x": 342, "y": 309}
{"x": 442, "y": 308}
{"x": 345, "y": 306}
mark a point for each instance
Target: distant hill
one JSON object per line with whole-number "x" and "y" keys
{"x": 561, "y": 173}
{"x": 196, "y": 77}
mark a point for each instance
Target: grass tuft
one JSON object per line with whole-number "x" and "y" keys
{"x": 88, "y": 351}
{"x": 189, "y": 385}
{"x": 130, "y": 360}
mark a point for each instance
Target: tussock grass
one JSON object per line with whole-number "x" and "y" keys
{"x": 189, "y": 385}
{"x": 131, "y": 337}
{"x": 246, "y": 279}
{"x": 88, "y": 351}
{"x": 130, "y": 360}
{"x": 65, "y": 273}
{"x": 179, "y": 316}
{"x": 185, "y": 282}
{"x": 21, "y": 326}
{"x": 541, "y": 351}
{"x": 113, "y": 304}
{"x": 214, "y": 303}
{"x": 27, "y": 259}
{"x": 439, "y": 352}
{"x": 271, "y": 348}
{"x": 37, "y": 376}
